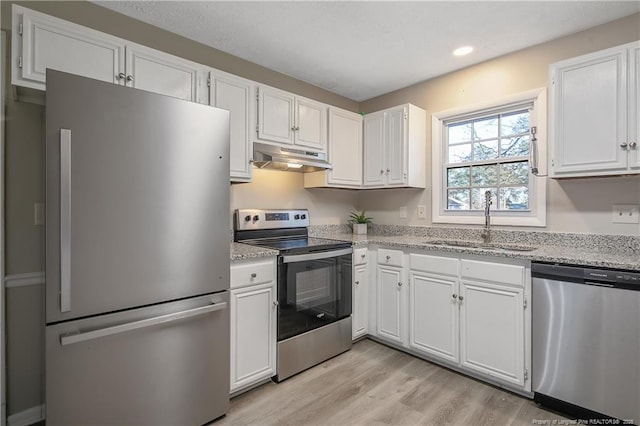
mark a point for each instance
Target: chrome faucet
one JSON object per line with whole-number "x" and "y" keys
{"x": 486, "y": 232}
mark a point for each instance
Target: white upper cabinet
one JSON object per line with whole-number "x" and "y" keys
{"x": 634, "y": 107}
{"x": 394, "y": 148}
{"x": 40, "y": 41}
{"x": 374, "y": 152}
{"x": 234, "y": 94}
{"x": 593, "y": 113}
{"x": 154, "y": 71}
{"x": 276, "y": 122}
{"x": 286, "y": 119}
{"x": 344, "y": 152}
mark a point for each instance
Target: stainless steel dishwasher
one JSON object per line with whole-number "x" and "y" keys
{"x": 586, "y": 341}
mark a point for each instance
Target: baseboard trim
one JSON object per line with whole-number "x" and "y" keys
{"x": 24, "y": 280}
{"x": 27, "y": 417}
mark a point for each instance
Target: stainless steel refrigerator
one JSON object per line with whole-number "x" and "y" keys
{"x": 137, "y": 256}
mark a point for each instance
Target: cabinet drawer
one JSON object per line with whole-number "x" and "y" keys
{"x": 390, "y": 257}
{"x": 433, "y": 264}
{"x": 360, "y": 256}
{"x": 497, "y": 272}
{"x": 252, "y": 273}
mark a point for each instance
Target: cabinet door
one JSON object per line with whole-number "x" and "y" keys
{"x": 390, "y": 304}
{"x": 396, "y": 169}
{"x": 311, "y": 124}
{"x": 345, "y": 148}
{"x": 360, "y": 301}
{"x": 374, "y": 130}
{"x": 634, "y": 105}
{"x": 234, "y": 95}
{"x": 52, "y": 43}
{"x": 589, "y": 118}
{"x": 275, "y": 115}
{"x": 253, "y": 335}
{"x": 158, "y": 72}
{"x": 492, "y": 330}
{"x": 433, "y": 321}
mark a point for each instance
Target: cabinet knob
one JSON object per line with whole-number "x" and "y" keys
{"x": 632, "y": 145}
{"x": 129, "y": 77}
{"x": 253, "y": 275}
{"x": 455, "y": 296}
{"x": 120, "y": 76}
{"x": 357, "y": 282}
{"x": 399, "y": 284}
{"x": 275, "y": 303}
{"x": 388, "y": 257}
{"x": 388, "y": 170}
{"x": 461, "y": 297}
{"x": 251, "y": 161}
{"x": 381, "y": 171}
{"x": 362, "y": 255}
{"x": 623, "y": 145}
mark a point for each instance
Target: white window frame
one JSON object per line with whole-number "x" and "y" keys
{"x": 537, "y": 213}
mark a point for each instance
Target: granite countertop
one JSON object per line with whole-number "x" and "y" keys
{"x": 241, "y": 251}
{"x": 598, "y": 257}
{"x": 617, "y": 252}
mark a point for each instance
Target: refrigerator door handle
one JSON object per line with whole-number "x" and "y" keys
{"x": 65, "y": 220}
{"x": 135, "y": 325}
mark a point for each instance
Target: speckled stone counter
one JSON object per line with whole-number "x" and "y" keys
{"x": 618, "y": 252}
{"x": 244, "y": 251}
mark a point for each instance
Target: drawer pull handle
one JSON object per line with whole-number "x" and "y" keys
{"x": 362, "y": 255}
{"x": 388, "y": 257}
{"x": 461, "y": 298}
{"x": 455, "y": 296}
{"x": 253, "y": 275}
{"x": 399, "y": 284}
{"x": 357, "y": 282}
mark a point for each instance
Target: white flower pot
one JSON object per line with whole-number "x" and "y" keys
{"x": 360, "y": 228}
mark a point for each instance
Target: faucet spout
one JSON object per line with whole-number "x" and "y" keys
{"x": 486, "y": 232}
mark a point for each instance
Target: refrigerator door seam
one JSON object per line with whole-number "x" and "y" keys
{"x": 135, "y": 325}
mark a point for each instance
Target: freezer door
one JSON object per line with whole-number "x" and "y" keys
{"x": 137, "y": 198}
{"x": 167, "y": 364}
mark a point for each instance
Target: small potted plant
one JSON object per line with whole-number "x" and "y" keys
{"x": 359, "y": 221}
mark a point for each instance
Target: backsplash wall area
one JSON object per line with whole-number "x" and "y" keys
{"x": 273, "y": 189}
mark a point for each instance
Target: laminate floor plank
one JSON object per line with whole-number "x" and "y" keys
{"x": 373, "y": 384}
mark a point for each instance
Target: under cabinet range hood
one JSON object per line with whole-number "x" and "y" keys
{"x": 288, "y": 159}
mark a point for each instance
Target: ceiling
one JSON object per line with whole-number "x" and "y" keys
{"x": 362, "y": 49}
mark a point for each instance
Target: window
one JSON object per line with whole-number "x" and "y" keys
{"x": 490, "y": 148}
{"x": 489, "y": 153}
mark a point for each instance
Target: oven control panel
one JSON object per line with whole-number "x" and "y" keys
{"x": 270, "y": 219}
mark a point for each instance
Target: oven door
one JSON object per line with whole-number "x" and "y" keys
{"x": 314, "y": 289}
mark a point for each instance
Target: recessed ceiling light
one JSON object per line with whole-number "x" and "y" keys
{"x": 464, "y": 50}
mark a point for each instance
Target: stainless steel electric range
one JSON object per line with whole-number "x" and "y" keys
{"x": 314, "y": 286}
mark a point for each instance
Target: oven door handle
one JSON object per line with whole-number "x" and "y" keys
{"x": 316, "y": 256}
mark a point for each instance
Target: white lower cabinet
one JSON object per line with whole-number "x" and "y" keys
{"x": 433, "y": 323}
{"x": 253, "y": 313}
{"x": 492, "y": 330}
{"x": 360, "y": 320}
{"x": 391, "y": 297}
{"x": 466, "y": 311}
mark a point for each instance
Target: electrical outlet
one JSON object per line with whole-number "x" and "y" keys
{"x": 422, "y": 212}
{"x": 626, "y": 213}
{"x": 403, "y": 212}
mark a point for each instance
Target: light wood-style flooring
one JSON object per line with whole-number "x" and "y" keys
{"x": 376, "y": 385}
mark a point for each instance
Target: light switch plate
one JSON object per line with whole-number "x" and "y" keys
{"x": 625, "y": 213}
{"x": 403, "y": 212}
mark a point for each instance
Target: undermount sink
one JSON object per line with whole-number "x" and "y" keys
{"x": 480, "y": 245}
